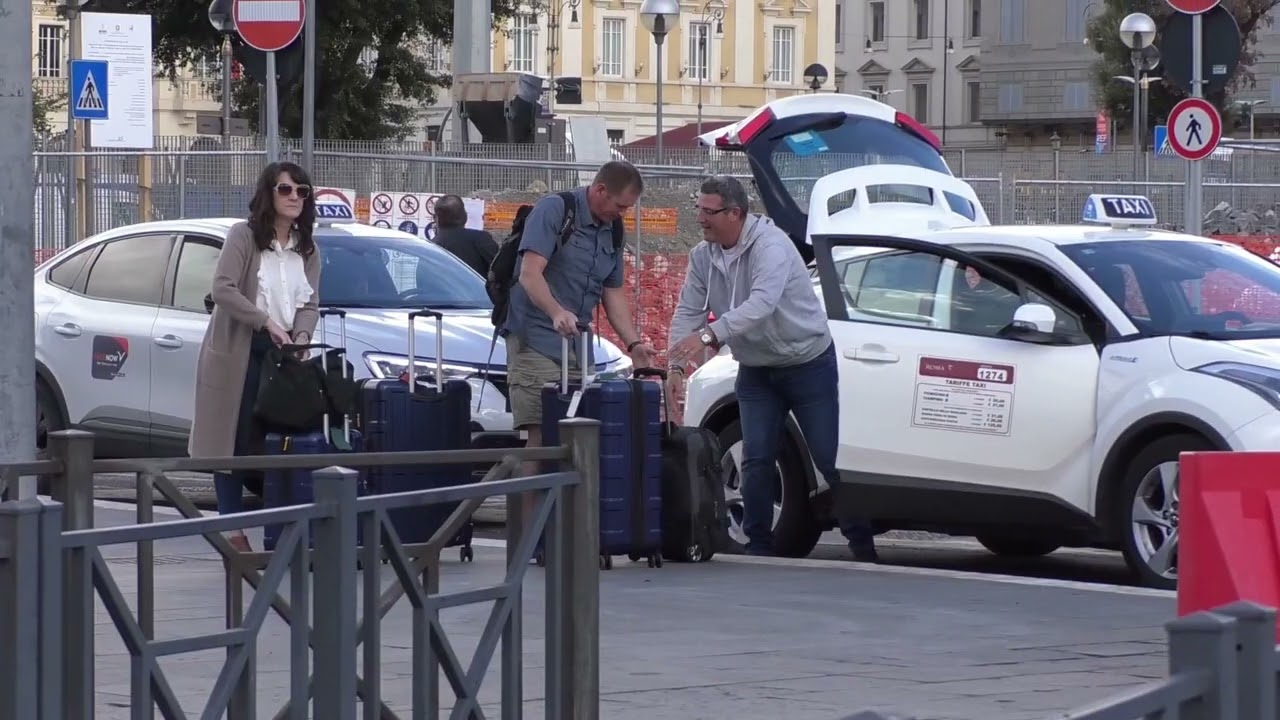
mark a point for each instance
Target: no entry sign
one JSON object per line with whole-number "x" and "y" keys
{"x": 269, "y": 25}
{"x": 1193, "y": 7}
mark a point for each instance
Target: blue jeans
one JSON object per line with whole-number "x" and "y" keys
{"x": 765, "y": 396}
{"x": 229, "y": 487}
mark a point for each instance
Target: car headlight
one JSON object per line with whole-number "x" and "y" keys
{"x": 384, "y": 366}
{"x": 1262, "y": 381}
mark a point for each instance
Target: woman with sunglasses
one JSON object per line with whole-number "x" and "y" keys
{"x": 265, "y": 293}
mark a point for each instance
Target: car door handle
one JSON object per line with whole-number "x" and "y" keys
{"x": 867, "y": 354}
{"x": 168, "y": 341}
{"x": 68, "y": 330}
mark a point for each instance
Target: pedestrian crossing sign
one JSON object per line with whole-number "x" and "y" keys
{"x": 89, "y": 90}
{"x": 1160, "y": 142}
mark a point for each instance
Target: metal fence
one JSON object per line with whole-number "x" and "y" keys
{"x": 81, "y": 193}
{"x": 51, "y": 564}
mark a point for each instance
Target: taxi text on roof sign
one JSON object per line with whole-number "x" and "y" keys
{"x": 331, "y": 212}
{"x": 1119, "y": 210}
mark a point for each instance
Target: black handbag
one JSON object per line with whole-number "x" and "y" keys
{"x": 292, "y": 393}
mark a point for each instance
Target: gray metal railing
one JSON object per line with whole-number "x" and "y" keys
{"x": 1223, "y": 665}
{"x": 51, "y": 565}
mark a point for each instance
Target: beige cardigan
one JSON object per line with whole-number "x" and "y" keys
{"x": 224, "y": 354}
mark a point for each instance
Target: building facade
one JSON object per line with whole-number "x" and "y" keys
{"x": 1001, "y": 72}
{"x": 923, "y": 57}
{"x": 729, "y": 55}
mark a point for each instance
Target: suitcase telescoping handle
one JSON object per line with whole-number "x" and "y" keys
{"x": 661, "y": 375}
{"x": 413, "y": 373}
{"x": 342, "y": 358}
{"x": 584, "y": 335}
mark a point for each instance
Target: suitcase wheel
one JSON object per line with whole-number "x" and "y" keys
{"x": 635, "y": 557}
{"x": 466, "y": 554}
{"x": 655, "y": 560}
{"x": 693, "y": 553}
{"x": 606, "y": 562}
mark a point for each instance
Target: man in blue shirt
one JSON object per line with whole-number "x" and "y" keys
{"x": 560, "y": 286}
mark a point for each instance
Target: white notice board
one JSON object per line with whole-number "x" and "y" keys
{"x": 124, "y": 41}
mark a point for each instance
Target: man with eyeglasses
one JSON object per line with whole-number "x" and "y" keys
{"x": 750, "y": 275}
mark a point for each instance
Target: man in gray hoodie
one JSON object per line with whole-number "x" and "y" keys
{"x": 752, "y": 277}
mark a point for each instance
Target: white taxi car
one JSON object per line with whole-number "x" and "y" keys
{"x": 1032, "y": 386}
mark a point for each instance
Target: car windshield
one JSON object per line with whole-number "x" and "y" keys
{"x": 1212, "y": 290}
{"x": 801, "y": 152}
{"x": 391, "y": 272}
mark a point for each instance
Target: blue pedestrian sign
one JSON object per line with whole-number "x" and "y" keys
{"x": 89, "y": 90}
{"x": 1160, "y": 141}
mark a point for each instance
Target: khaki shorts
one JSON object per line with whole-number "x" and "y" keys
{"x": 527, "y": 372}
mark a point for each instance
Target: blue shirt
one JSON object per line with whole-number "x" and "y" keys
{"x": 577, "y": 272}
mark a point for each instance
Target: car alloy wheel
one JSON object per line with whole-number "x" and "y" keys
{"x": 732, "y": 464}
{"x": 1154, "y": 519}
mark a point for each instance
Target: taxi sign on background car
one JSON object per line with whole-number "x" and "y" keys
{"x": 333, "y": 206}
{"x": 1119, "y": 210}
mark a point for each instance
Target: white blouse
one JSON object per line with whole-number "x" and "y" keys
{"x": 282, "y": 283}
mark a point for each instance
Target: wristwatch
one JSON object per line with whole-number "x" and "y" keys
{"x": 707, "y": 337}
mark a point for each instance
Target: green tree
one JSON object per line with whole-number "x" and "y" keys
{"x": 1114, "y": 58}
{"x": 42, "y": 105}
{"x": 374, "y": 101}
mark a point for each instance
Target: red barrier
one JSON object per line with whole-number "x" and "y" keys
{"x": 1228, "y": 529}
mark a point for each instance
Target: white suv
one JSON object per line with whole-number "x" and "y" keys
{"x": 1030, "y": 386}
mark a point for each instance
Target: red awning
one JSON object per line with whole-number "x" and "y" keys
{"x": 683, "y": 136}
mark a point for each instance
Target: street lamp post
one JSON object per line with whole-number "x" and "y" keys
{"x": 659, "y": 16}
{"x": 713, "y": 10}
{"x": 1137, "y": 32}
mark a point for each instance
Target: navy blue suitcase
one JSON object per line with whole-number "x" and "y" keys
{"x": 282, "y": 488}
{"x": 397, "y": 416}
{"x": 629, "y": 411}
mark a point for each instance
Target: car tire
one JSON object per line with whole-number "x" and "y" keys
{"x": 1012, "y": 546}
{"x": 796, "y": 531}
{"x": 1151, "y": 470}
{"x": 48, "y": 420}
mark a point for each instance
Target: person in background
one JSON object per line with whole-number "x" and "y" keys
{"x": 473, "y": 247}
{"x": 559, "y": 288}
{"x": 750, "y": 275}
{"x": 264, "y": 294}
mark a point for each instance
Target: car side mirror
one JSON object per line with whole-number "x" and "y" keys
{"x": 1035, "y": 323}
{"x": 1035, "y": 316}
{"x": 208, "y": 303}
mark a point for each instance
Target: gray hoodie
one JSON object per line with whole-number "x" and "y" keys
{"x": 767, "y": 310}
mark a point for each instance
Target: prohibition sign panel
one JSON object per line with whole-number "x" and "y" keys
{"x": 1193, "y": 7}
{"x": 408, "y": 205}
{"x": 1195, "y": 128}
{"x": 269, "y": 25}
{"x": 381, "y": 204}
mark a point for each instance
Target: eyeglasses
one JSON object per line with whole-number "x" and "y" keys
{"x": 710, "y": 211}
{"x": 285, "y": 190}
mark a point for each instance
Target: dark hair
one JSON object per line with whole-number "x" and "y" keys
{"x": 729, "y": 190}
{"x": 619, "y": 176}
{"x": 451, "y": 212}
{"x": 262, "y": 208}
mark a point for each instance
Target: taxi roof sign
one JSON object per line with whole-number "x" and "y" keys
{"x": 1119, "y": 210}
{"x": 334, "y": 212}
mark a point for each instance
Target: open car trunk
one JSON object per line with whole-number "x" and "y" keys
{"x": 841, "y": 163}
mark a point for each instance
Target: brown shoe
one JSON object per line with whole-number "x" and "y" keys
{"x": 240, "y": 543}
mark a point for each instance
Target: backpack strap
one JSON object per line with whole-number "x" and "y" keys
{"x": 570, "y": 214}
{"x": 619, "y": 234}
